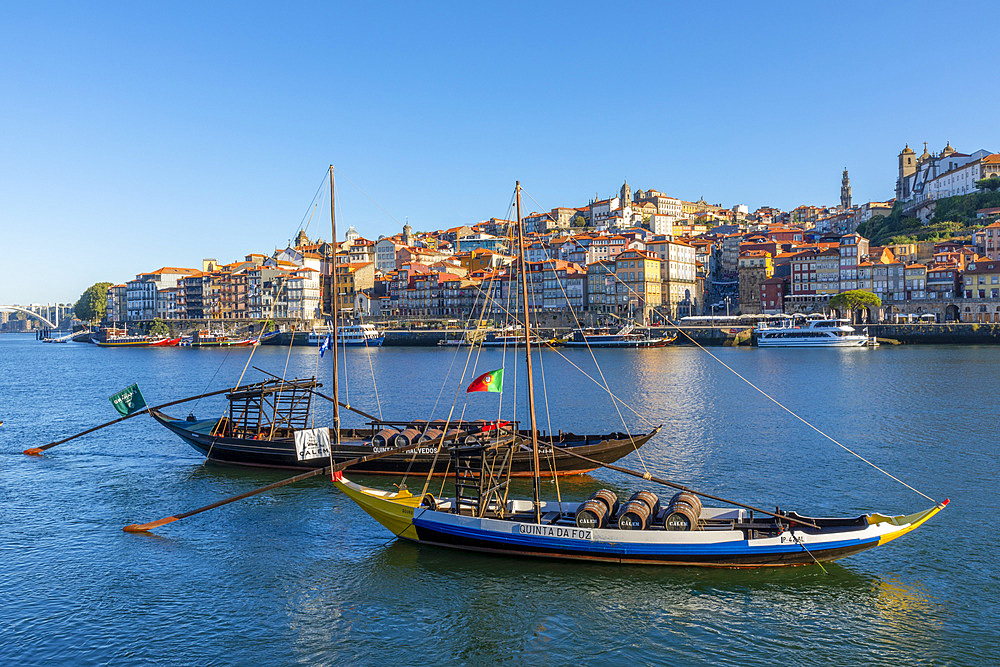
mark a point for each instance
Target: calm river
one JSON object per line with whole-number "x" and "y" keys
{"x": 302, "y": 576}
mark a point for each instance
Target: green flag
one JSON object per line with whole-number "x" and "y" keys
{"x": 128, "y": 400}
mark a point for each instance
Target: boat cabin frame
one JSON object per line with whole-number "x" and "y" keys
{"x": 268, "y": 409}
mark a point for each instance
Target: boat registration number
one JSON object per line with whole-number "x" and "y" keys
{"x": 555, "y": 531}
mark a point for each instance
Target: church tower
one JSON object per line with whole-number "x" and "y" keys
{"x": 845, "y": 191}
{"x": 907, "y": 167}
{"x": 407, "y": 235}
{"x": 626, "y": 195}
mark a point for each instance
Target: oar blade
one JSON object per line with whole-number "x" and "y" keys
{"x": 33, "y": 451}
{"x": 145, "y": 527}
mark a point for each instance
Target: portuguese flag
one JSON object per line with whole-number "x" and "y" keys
{"x": 492, "y": 381}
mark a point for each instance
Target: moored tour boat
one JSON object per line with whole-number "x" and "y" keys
{"x": 138, "y": 341}
{"x": 208, "y": 339}
{"x": 811, "y": 333}
{"x": 352, "y": 335}
{"x": 624, "y": 337}
{"x": 115, "y": 337}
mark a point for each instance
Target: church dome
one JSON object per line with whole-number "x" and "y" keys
{"x": 907, "y": 150}
{"x": 948, "y": 150}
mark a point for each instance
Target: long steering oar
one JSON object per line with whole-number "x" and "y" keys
{"x": 37, "y": 451}
{"x": 681, "y": 487}
{"x": 143, "y": 527}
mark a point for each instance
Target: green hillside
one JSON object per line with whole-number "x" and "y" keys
{"x": 953, "y": 216}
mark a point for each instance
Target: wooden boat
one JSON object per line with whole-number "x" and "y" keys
{"x": 114, "y": 337}
{"x": 138, "y": 341}
{"x": 208, "y": 339}
{"x": 481, "y": 517}
{"x": 495, "y": 339}
{"x": 263, "y": 417}
{"x": 624, "y": 337}
{"x": 722, "y": 537}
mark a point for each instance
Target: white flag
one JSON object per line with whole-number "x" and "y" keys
{"x": 313, "y": 443}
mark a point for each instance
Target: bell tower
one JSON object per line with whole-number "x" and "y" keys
{"x": 907, "y": 167}
{"x": 845, "y": 191}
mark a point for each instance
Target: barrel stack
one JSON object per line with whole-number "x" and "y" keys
{"x": 597, "y": 511}
{"x": 683, "y": 512}
{"x": 640, "y": 511}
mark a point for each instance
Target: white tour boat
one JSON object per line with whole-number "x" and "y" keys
{"x": 352, "y": 335}
{"x": 810, "y": 333}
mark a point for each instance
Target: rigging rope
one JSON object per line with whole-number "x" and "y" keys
{"x": 591, "y": 378}
{"x": 801, "y": 419}
{"x": 764, "y": 393}
{"x": 576, "y": 319}
{"x": 371, "y": 367}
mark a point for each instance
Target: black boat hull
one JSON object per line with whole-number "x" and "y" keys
{"x": 281, "y": 453}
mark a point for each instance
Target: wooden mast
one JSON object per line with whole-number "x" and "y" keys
{"x": 335, "y": 307}
{"x": 527, "y": 353}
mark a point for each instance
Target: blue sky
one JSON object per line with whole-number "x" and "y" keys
{"x": 137, "y": 135}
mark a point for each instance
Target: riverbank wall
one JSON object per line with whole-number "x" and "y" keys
{"x": 909, "y": 334}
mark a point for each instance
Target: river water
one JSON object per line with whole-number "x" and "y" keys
{"x": 301, "y": 575}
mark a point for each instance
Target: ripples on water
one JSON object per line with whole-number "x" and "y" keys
{"x": 301, "y": 576}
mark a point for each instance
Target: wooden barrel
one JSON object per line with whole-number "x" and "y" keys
{"x": 689, "y": 498}
{"x": 609, "y": 499}
{"x": 405, "y": 438}
{"x": 682, "y": 512}
{"x": 450, "y": 436}
{"x": 591, "y": 513}
{"x": 431, "y": 435}
{"x": 651, "y": 500}
{"x": 634, "y": 516}
{"x": 384, "y": 437}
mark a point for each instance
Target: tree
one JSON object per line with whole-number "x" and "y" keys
{"x": 578, "y": 221}
{"x": 855, "y": 299}
{"x": 158, "y": 328}
{"x": 991, "y": 184}
{"x": 92, "y": 305}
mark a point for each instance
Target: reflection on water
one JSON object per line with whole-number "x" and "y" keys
{"x": 496, "y": 609}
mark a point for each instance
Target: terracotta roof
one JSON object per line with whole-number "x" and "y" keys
{"x": 170, "y": 269}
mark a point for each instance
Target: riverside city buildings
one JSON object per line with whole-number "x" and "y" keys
{"x": 772, "y": 260}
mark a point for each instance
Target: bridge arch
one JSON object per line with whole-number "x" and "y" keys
{"x": 28, "y": 312}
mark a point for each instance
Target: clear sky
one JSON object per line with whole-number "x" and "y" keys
{"x": 137, "y": 135}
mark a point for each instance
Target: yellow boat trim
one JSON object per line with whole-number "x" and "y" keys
{"x": 910, "y": 522}
{"x": 392, "y": 510}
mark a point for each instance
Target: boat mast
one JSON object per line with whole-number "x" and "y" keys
{"x": 527, "y": 354}
{"x": 334, "y": 306}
